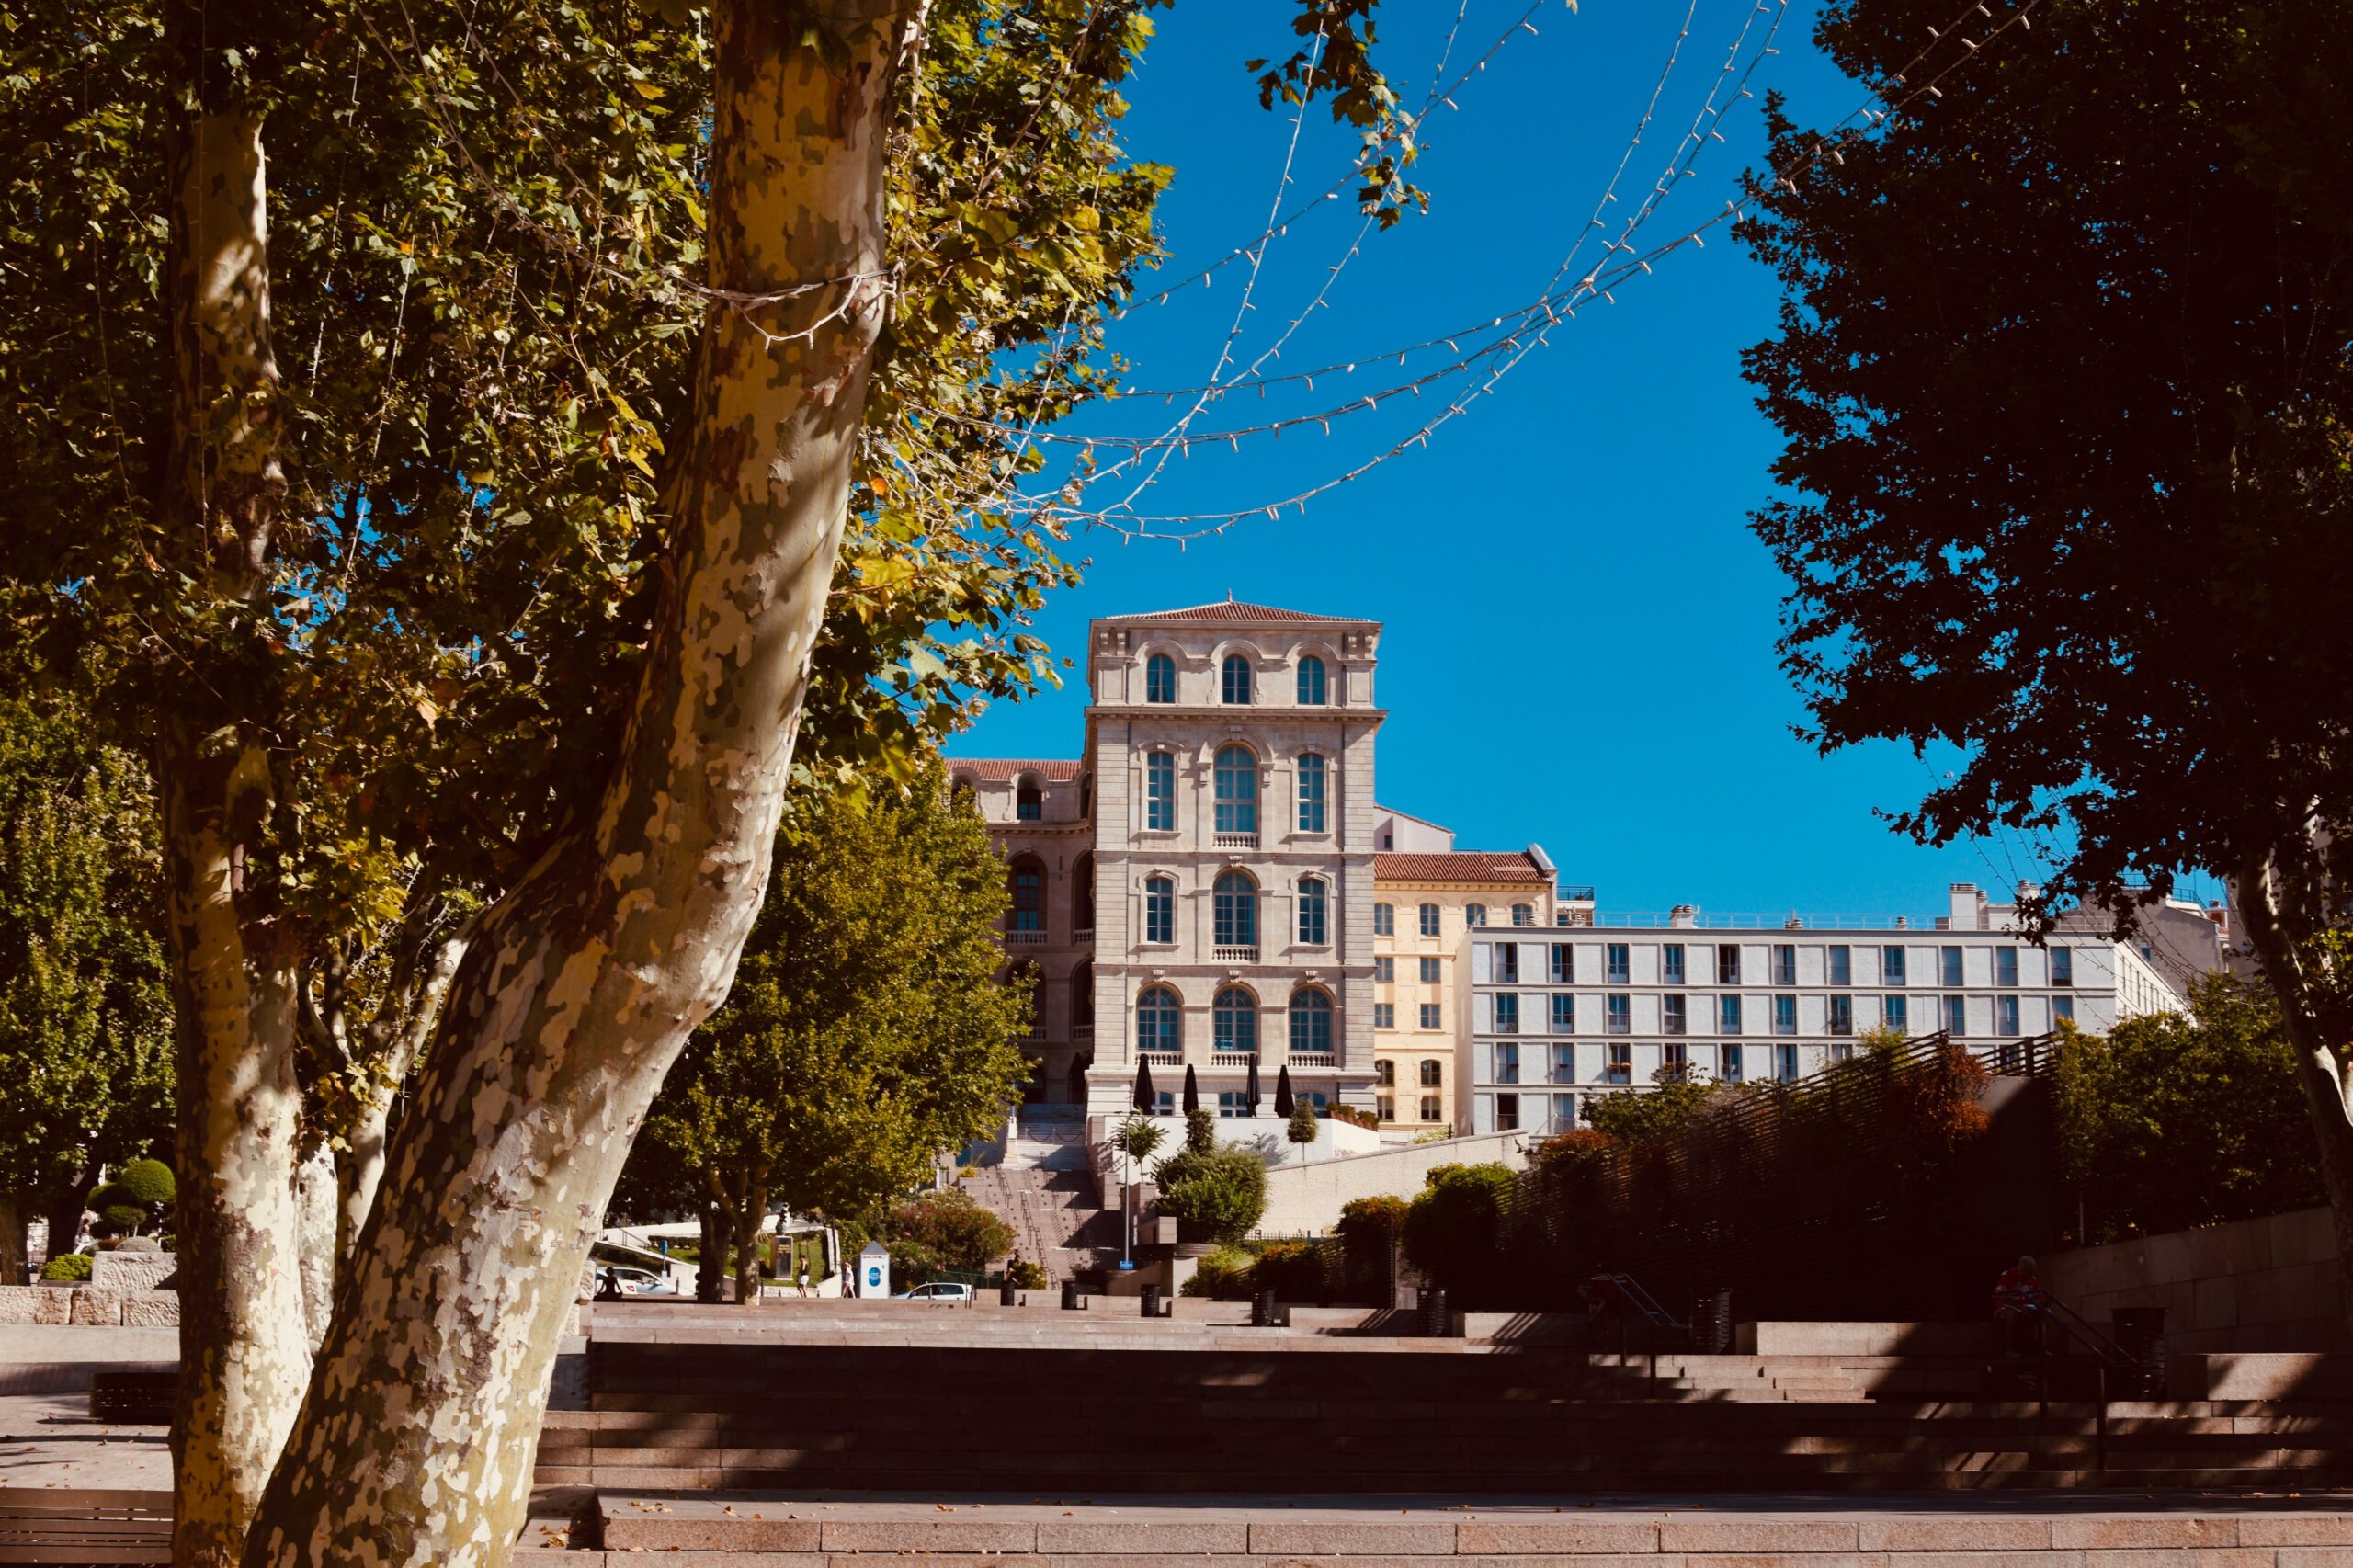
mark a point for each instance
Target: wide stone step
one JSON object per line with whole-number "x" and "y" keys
{"x": 1132, "y": 1532}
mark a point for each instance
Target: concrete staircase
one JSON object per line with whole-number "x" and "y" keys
{"x": 1131, "y": 1532}
{"x": 1023, "y": 1406}
{"x": 1044, "y": 1190}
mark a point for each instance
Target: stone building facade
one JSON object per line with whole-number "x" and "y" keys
{"x": 1197, "y": 889}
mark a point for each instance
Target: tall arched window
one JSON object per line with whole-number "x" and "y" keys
{"x": 1159, "y": 791}
{"x": 1081, "y": 896}
{"x": 1238, "y": 791}
{"x": 1311, "y": 1022}
{"x": 1028, "y": 894}
{"x": 1236, "y": 680}
{"x": 1158, "y": 1019}
{"x": 1311, "y": 793}
{"x": 965, "y": 791}
{"x": 1082, "y": 997}
{"x": 1236, "y": 910}
{"x": 1159, "y": 910}
{"x": 1160, "y": 679}
{"x": 1384, "y": 1073}
{"x": 1029, "y": 800}
{"x": 1233, "y": 1022}
{"x": 1310, "y": 912}
{"x": 1311, "y": 682}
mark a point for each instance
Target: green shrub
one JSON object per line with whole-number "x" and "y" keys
{"x": 73, "y": 1268}
{"x": 937, "y": 1231}
{"x": 1026, "y": 1275}
{"x": 1369, "y": 1232}
{"x": 1454, "y": 1232}
{"x": 146, "y": 1182}
{"x": 1223, "y": 1276}
{"x": 1200, "y": 1132}
{"x": 1215, "y": 1195}
{"x": 121, "y": 1220}
{"x": 1292, "y": 1270}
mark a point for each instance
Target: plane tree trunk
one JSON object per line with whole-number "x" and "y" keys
{"x": 244, "y": 1352}
{"x": 416, "y": 1439}
{"x": 2288, "y": 902}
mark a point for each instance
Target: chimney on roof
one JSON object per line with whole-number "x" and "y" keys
{"x": 1967, "y": 908}
{"x": 2028, "y": 891}
{"x": 1683, "y": 918}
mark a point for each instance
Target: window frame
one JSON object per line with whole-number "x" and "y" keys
{"x": 1160, "y": 790}
{"x": 1233, "y": 911}
{"x": 1172, "y": 1008}
{"x": 1233, "y": 1031}
{"x": 1313, "y": 925}
{"x": 1236, "y": 789}
{"x": 1156, "y": 691}
{"x": 1312, "y": 1013}
{"x": 1310, "y": 663}
{"x": 1160, "y": 908}
{"x": 1308, "y": 787}
{"x": 1227, "y": 685}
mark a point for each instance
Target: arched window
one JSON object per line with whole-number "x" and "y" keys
{"x": 1238, "y": 791}
{"x": 1311, "y": 912}
{"x": 1028, "y": 894}
{"x": 1159, "y": 910}
{"x": 1474, "y": 915}
{"x": 1158, "y": 1018}
{"x": 1433, "y": 1073}
{"x": 1029, "y": 800}
{"x": 1236, "y": 910}
{"x": 1082, "y": 997}
{"x": 1385, "y": 1074}
{"x": 1081, "y": 896}
{"x": 1160, "y": 679}
{"x": 1159, "y": 791}
{"x": 1311, "y": 682}
{"x": 1311, "y": 1022}
{"x": 965, "y": 792}
{"x": 1237, "y": 678}
{"x": 1233, "y": 1022}
{"x": 1311, "y": 793}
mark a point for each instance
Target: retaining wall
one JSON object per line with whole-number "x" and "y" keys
{"x": 1306, "y": 1199}
{"x": 2256, "y": 1285}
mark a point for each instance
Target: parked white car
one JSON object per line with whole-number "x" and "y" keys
{"x": 636, "y": 1281}
{"x": 948, "y": 1295}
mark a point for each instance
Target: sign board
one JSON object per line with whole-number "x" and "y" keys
{"x": 874, "y": 1270}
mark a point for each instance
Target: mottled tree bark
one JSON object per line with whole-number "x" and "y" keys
{"x": 2283, "y": 901}
{"x": 361, "y": 1169}
{"x": 416, "y": 1440}
{"x": 244, "y": 1351}
{"x": 243, "y": 1355}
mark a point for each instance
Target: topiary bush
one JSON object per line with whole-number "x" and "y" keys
{"x": 121, "y": 1220}
{"x": 146, "y": 1182}
{"x": 71, "y": 1268}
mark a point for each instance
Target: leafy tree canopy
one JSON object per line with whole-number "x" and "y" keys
{"x": 2169, "y": 1121}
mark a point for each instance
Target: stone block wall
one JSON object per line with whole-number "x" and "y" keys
{"x": 89, "y": 1305}
{"x": 2258, "y": 1285}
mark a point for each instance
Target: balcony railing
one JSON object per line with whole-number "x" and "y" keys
{"x": 1314, "y": 1059}
{"x": 1235, "y": 841}
{"x": 1230, "y": 1058}
{"x": 1026, "y": 938}
{"x": 1235, "y": 955}
{"x": 1162, "y": 1057}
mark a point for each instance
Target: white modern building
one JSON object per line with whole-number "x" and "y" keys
{"x": 1560, "y": 1015}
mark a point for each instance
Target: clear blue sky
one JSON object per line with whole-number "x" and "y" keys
{"x": 1579, "y": 627}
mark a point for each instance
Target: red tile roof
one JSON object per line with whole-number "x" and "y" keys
{"x": 1003, "y": 770}
{"x": 1226, "y": 612}
{"x": 1459, "y": 866}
